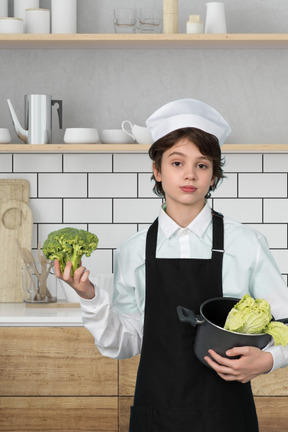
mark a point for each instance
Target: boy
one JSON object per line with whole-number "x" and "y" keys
{"x": 189, "y": 254}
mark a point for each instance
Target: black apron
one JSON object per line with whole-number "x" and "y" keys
{"x": 174, "y": 391}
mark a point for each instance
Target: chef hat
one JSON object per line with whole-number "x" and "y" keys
{"x": 184, "y": 113}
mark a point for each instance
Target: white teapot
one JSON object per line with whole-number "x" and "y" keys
{"x": 139, "y": 133}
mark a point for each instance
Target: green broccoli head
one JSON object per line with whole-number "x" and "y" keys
{"x": 69, "y": 244}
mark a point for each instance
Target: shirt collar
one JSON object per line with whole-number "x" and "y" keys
{"x": 197, "y": 226}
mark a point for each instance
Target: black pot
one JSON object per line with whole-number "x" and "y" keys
{"x": 210, "y": 332}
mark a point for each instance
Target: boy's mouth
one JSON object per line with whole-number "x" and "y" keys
{"x": 188, "y": 189}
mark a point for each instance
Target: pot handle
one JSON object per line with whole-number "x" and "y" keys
{"x": 188, "y": 316}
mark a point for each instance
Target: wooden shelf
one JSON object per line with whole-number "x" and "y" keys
{"x": 129, "y": 148}
{"x": 73, "y": 148}
{"x": 58, "y": 41}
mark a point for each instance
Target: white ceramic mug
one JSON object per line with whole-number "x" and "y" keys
{"x": 37, "y": 21}
{"x": 3, "y": 8}
{"x": 115, "y": 136}
{"x": 139, "y": 133}
{"x": 5, "y": 137}
{"x": 11, "y": 25}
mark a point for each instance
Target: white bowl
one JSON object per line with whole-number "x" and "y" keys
{"x": 11, "y": 25}
{"x": 5, "y": 137}
{"x": 81, "y": 136}
{"x": 115, "y": 136}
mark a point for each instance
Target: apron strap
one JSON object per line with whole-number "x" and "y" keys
{"x": 151, "y": 240}
{"x": 218, "y": 235}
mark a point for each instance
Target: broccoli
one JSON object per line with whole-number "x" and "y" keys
{"x": 69, "y": 244}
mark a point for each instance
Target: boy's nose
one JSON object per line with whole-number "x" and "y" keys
{"x": 190, "y": 174}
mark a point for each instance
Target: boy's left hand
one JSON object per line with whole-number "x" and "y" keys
{"x": 252, "y": 362}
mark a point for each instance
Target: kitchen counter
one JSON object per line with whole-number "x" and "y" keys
{"x": 50, "y": 315}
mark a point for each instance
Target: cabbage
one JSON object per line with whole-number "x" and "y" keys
{"x": 254, "y": 317}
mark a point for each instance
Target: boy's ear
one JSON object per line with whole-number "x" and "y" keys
{"x": 212, "y": 181}
{"x": 156, "y": 173}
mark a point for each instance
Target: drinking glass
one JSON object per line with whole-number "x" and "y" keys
{"x": 150, "y": 20}
{"x": 125, "y": 20}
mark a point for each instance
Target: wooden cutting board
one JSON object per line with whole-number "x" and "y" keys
{"x": 11, "y": 263}
{"x": 14, "y": 189}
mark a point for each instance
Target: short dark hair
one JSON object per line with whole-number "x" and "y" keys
{"x": 207, "y": 144}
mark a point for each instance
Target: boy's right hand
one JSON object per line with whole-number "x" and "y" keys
{"x": 79, "y": 282}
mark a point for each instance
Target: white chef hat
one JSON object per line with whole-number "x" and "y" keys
{"x": 184, "y": 113}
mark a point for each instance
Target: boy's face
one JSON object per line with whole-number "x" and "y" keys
{"x": 186, "y": 176}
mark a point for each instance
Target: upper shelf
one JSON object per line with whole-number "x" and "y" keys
{"x": 129, "y": 148}
{"x": 224, "y": 41}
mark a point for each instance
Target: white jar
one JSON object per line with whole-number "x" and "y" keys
{"x": 64, "y": 16}
{"x": 3, "y": 8}
{"x": 21, "y": 5}
{"x": 37, "y": 21}
{"x": 194, "y": 25}
{"x": 11, "y": 25}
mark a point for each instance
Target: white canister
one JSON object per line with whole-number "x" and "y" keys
{"x": 11, "y": 25}
{"x": 21, "y": 5}
{"x": 64, "y": 16}
{"x": 194, "y": 25}
{"x": 37, "y": 21}
{"x": 215, "y": 18}
{"x": 3, "y": 8}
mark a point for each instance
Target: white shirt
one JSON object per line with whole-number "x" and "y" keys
{"x": 248, "y": 267}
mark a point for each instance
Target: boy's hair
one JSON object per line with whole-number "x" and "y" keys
{"x": 207, "y": 144}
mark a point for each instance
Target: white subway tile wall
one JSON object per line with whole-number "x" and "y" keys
{"x": 111, "y": 195}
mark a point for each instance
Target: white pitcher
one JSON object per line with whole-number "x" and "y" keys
{"x": 215, "y": 18}
{"x": 139, "y": 133}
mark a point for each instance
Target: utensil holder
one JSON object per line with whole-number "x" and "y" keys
{"x": 32, "y": 291}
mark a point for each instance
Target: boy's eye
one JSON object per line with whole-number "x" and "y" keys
{"x": 202, "y": 166}
{"x": 177, "y": 163}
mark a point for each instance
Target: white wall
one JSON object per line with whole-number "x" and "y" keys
{"x": 111, "y": 195}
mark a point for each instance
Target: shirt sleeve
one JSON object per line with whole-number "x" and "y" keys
{"x": 113, "y": 316}
{"x": 268, "y": 283}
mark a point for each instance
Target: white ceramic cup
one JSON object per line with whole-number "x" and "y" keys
{"x": 3, "y": 8}
{"x": 5, "y": 137}
{"x": 115, "y": 136}
{"x": 139, "y": 133}
{"x": 37, "y": 21}
{"x": 81, "y": 136}
{"x": 64, "y": 16}
{"x": 11, "y": 25}
{"x": 21, "y": 5}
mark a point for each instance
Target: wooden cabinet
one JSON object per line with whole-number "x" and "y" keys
{"x": 55, "y": 379}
